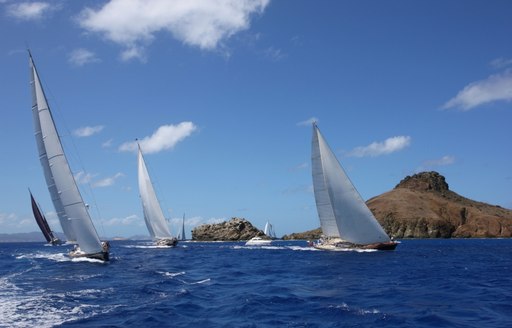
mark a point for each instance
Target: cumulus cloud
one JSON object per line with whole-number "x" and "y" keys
{"x": 165, "y": 137}
{"x": 88, "y": 131}
{"x": 107, "y": 182}
{"x": 495, "y": 88}
{"x": 308, "y": 122}
{"x": 204, "y": 24}
{"x": 81, "y": 57}
{"x": 29, "y": 10}
{"x": 385, "y": 147}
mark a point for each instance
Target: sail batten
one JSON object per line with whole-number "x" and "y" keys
{"x": 341, "y": 209}
{"x": 67, "y": 200}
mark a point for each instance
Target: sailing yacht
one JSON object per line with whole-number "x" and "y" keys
{"x": 182, "y": 235}
{"x": 153, "y": 215}
{"x": 43, "y": 223}
{"x": 67, "y": 200}
{"x": 269, "y": 230}
{"x": 345, "y": 219}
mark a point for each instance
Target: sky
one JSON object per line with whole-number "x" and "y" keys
{"x": 221, "y": 95}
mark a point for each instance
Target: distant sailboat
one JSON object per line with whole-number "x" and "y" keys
{"x": 43, "y": 224}
{"x": 345, "y": 219}
{"x": 182, "y": 235}
{"x": 67, "y": 200}
{"x": 153, "y": 215}
{"x": 269, "y": 230}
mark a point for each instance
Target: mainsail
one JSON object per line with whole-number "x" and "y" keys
{"x": 41, "y": 220}
{"x": 64, "y": 192}
{"x": 342, "y": 211}
{"x": 153, "y": 215}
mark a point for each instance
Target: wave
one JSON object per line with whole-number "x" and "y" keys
{"x": 41, "y": 307}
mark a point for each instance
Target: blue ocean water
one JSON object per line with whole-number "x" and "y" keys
{"x": 423, "y": 283}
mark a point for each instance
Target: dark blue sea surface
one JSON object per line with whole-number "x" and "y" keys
{"x": 423, "y": 283}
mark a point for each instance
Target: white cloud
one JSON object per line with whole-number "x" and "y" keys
{"x": 308, "y": 122}
{"x": 494, "y": 88}
{"x": 129, "y": 220}
{"x": 501, "y": 62}
{"x": 274, "y": 54}
{"x": 84, "y": 178}
{"x": 88, "y": 131}
{"x": 81, "y": 56}
{"x": 204, "y": 24}
{"x": 134, "y": 52}
{"x": 107, "y": 144}
{"x": 385, "y": 147}
{"x": 445, "y": 160}
{"x": 107, "y": 182}
{"x": 28, "y": 10}
{"x": 165, "y": 137}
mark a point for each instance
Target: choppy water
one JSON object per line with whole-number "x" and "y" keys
{"x": 424, "y": 283}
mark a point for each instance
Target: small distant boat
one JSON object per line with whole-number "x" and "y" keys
{"x": 43, "y": 223}
{"x": 67, "y": 200}
{"x": 181, "y": 235}
{"x": 269, "y": 230}
{"x": 345, "y": 219}
{"x": 153, "y": 215}
{"x": 258, "y": 241}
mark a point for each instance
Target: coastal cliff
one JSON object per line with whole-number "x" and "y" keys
{"x": 232, "y": 230}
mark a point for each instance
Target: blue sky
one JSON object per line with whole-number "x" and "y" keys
{"x": 221, "y": 94}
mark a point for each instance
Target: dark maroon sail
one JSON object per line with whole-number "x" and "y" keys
{"x": 42, "y": 223}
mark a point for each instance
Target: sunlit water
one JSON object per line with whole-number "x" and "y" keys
{"x": 423, "y": 283}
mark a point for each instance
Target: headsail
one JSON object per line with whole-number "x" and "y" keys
{"x": 41, "y": 220}
{"x": 153, "y": 215}
{"x": 64, "y": 192}
{"x": 342, "y": 211}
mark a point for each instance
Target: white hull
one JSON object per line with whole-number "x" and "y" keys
{"x": 257, "y": 241}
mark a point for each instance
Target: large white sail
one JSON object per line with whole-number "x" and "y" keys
{"x": 342, "y": 211}
{"x": 153, "y": 215}
{"x": 64, "y": 192}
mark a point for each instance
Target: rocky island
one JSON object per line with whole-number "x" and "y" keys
{"x": 423, "y": 206}
{"x": 232, "y": 230}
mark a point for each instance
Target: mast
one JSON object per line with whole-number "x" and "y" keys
{"x": 153, "y": 215}
{"x": 341, "y": 209}
{"x": 61, "y": 183}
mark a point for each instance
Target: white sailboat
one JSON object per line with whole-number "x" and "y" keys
{"x": 153, "y": 215}
{"x": 269, "y": 230}
{"x": 345, "y": 219}
{"x": 67, "y": 200}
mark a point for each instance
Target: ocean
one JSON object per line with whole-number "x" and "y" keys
{"x": 423, "y": 283}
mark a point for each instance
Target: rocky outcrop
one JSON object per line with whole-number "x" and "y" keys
{"x": 423, "y": 206}
{"x": 307, "y": 235}
{"x": 232, "y": 230}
